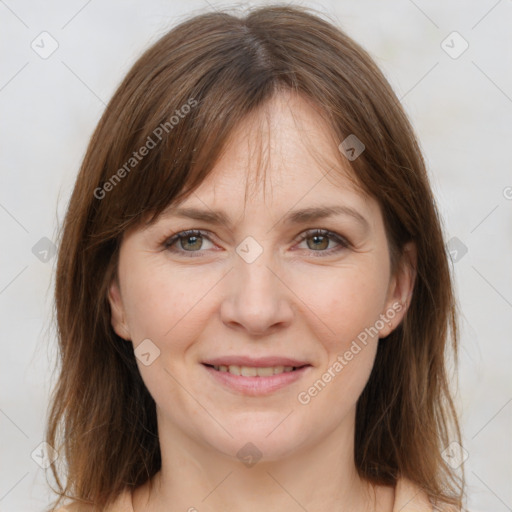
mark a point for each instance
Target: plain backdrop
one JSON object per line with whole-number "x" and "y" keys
{"x": 60, "y": 64}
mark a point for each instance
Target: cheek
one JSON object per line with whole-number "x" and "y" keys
{"x": 171, "y": 311}
{"x": 344, "y": 301}
{"x": 168, "y": 308}
{"x": 346, "y": 305}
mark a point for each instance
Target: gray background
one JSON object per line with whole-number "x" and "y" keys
{"x": 460, "y": 107}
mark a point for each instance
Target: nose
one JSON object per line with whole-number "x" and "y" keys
{"x": 257, "y": 299}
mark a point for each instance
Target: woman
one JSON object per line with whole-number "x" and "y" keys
{"x": 253, "y": 296}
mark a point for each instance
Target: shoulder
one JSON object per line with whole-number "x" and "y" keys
{"x": 410, "y": 497}
{"x": 123, "y": 503}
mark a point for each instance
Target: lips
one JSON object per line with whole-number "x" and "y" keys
{"x": 256, "y": 376}
{"x": 254, "y": 371}
{"x": 255, "y": 362}
{"x": 255, "y": 367}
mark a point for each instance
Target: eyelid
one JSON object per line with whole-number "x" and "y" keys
{"x": 170, "y": 240}
{"x": 320, "y": 232}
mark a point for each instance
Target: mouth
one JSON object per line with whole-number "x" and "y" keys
{"x": 256, "y": 380}
{"x": 255, "y": 371}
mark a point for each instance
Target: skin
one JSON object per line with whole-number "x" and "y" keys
{"x": 294, "y": 300}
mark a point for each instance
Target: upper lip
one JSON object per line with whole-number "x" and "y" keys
{"x": 257, "y": 362}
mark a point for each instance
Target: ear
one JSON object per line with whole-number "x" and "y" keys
{"x": 117, "y": 319}
{"x": 400, "y": 290}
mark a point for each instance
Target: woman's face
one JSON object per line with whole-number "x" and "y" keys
{"x": 261, "y": 289}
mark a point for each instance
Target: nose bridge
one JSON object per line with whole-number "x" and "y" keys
{"x": 256, "y": 284}
{"x": 257, "y": 300}
{"x": 255, "y": 276}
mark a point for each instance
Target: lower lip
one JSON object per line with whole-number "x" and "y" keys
{"x": 255, "y": 386}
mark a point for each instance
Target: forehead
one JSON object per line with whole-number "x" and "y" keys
{"x": 280, "y": 153}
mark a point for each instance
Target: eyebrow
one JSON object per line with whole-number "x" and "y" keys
{"x": 292, "y": 217}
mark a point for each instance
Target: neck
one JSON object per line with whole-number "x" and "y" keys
{"x": 198, "y": 478}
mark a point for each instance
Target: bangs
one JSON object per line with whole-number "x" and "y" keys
{"x": 184, "y": 120}
{"x": 215, "y": 136}
{"x": 176, "y": 121}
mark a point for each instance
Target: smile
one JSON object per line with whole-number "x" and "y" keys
{"x": 256, "y": 381}
{"x": 252, "y": 371}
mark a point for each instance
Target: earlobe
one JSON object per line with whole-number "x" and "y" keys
{"x": 400, "y": 290}
{"x": 117, "y": 318}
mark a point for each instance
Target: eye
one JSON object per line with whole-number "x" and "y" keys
{"x": 191, "y": 240}
{"x": 318, "y": 240}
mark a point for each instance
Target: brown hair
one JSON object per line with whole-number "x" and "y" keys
{"x": 102, "y": 418}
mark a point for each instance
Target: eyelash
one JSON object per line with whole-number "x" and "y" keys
{"x": 169, "y": 242}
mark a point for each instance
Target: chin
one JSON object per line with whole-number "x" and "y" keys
{"x": 262, "y": 439}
